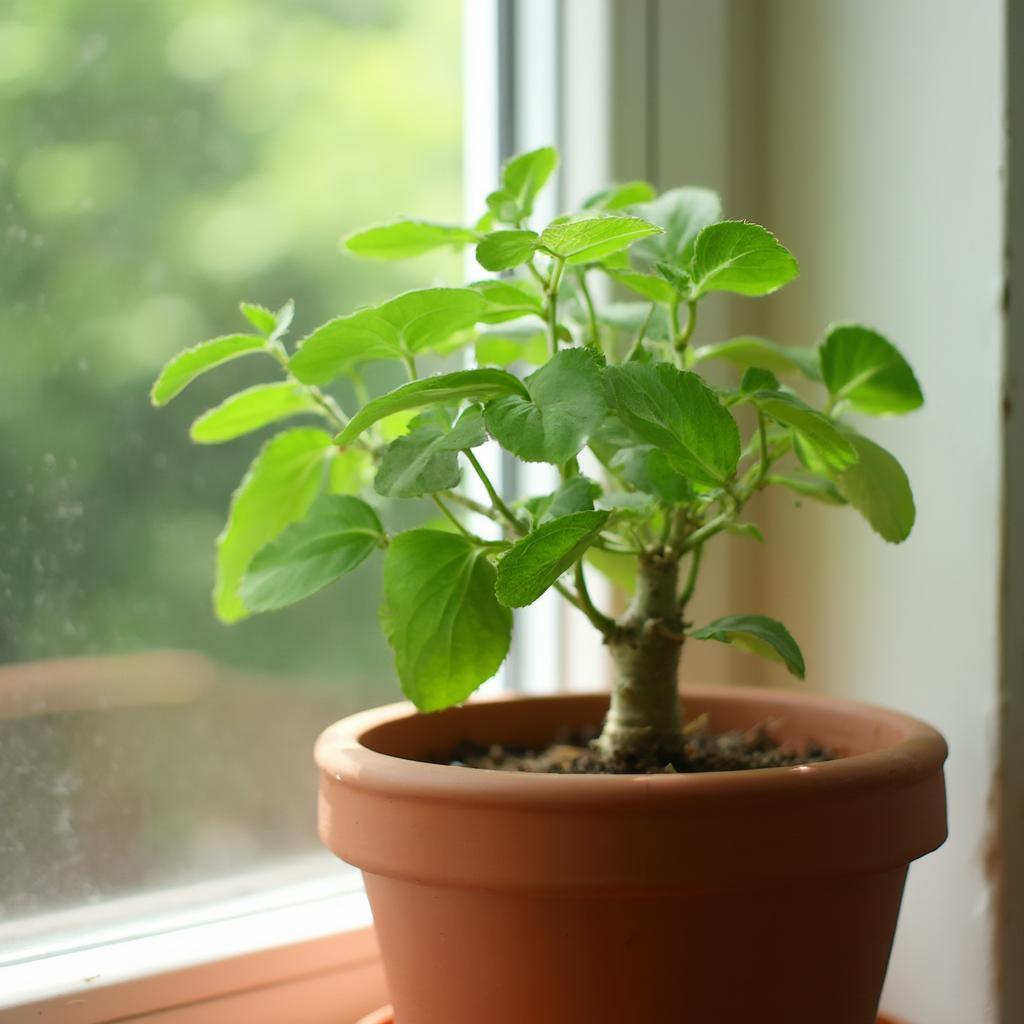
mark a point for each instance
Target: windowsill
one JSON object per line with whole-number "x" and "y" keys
{"x": 319, "y": 954}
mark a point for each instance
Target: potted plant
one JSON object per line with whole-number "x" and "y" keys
{"x": 608, "y": 880}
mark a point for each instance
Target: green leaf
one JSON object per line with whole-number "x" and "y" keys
{"x": 677, "y": 412}
{"x": 657, "y": 289}
{"x": 749, "y": 352}
{"x": 618, "y": 569}
{"x": 522, "y": 179}
{"x": 584, "y": 241}
{"x": 815, "y": 430}
{"x": 575, "y": 495}
{"x": 277, "y": 489}
{"x": 682, "y": 212}
{"x": 410, "y": 323}
{"x": 505, "y": 346}
{"x": 563, "y": 406}
{"x": 403, "y": 239}
{"x": 534, "y": 563}
{"x": 426, "y": 460}
{"x": 261, "y": 318}
{"x": 734, "y": 256}
{"x": 759, "y": 635}
{"x": 283, "y": 318}
{"x": 862, "y": 368}
{"x": 627, "y": 504}
{"x": 187, "y": 365}
{"x": 755, "y": 380}
{"x": 810, "y": 487}
{"x": 618, "y": 197}
{"x": 481, "y": 384}
{"x": 252, "y": 409}
{"x": 631, "y": 317}
{"x": 877, "y": 486}
{"x": 447, "y": 629}
{"x": 507, "y": 300}
{"x": 664, "y": 481}
{"x": 337, "y": 535}
{"x": 350, "y": 471}
{"x": 503, "y": 250}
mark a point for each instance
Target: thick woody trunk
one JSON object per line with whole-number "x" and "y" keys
{"x": 644, "y": 724}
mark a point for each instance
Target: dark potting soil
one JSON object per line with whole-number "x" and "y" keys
{"x": 704, "y": 751}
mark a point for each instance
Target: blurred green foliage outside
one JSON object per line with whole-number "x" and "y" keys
{"x": 160, "y": 161}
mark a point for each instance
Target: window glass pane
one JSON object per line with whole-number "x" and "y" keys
{"x": 161, "y": 161}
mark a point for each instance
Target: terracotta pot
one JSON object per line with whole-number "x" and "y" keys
{"x": 387, "y": 1016}
{"x": 766, "y": 895}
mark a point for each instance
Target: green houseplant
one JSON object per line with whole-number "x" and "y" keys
{"x": 670, "y": 468}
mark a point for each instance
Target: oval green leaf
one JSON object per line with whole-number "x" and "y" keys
{"x": 877, "y": 486}
{"x": 503, "y": 250}
{"x": 593, "y": 238}
{"x": 563, "y": 405}
{"x": 759, "y": 635}
{"x": 187, "y": 365}
{"x": 863, "y": 369}
{"x": 338, "y": 534}
{"x": 280, "y": 485}
{"x": 534, "y": 563}
{"x": 409, "y": 323}
{"x": 751, "y": 352}
{"x": 252, "y": 409}
{"x": 735, "y": 256}
{"x": 446, "y": 627}
{"x": 480, "y": 384}
{"x": 404, "y": 238}
{"x": 674, "y": 410}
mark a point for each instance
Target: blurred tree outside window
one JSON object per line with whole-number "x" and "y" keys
{"x": 160, "y": 162}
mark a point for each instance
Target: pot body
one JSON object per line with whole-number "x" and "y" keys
{"x": 767, "y": 895}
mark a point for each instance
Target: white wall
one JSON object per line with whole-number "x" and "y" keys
{"x": 884, "y": 174}
{"x": 869, "y": 135}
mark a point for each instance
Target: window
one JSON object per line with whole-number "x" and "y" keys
{"x": 163, "y": 161}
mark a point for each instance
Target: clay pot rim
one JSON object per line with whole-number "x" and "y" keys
{"x": 385, "y": 1015}
{"x": 342, "y": 752}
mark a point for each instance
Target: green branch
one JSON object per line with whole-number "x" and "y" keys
{"x": 691, "y": 579}
{"x": 593, "y": 331}
{"x": 510, "y": 517}
{"x": 551, "y": 309}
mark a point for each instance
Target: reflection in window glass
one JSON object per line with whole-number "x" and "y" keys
{"x": 161, "y": 161}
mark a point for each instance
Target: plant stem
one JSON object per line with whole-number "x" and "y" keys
{"x": 682, "y": 339}
{"x": 410, "y": 365}
{"x": 472, "y": 506}
{"x": 765, "y": 462}
{"x": 709, "y": 529}
{"x": 593, "y": 331}
{"x": 507, "y": 513}
{"x": 601, "y": 621}
{"x": 637, "y": 347}
{"x": 454, "y": 519}
{"x": 568, "y": 595}
{"x": 691, "y": 579}
{"x": 330, "y": 407}
{"x": 551, "y": 311}
{"x": 643, "y": 725}
{"x": 537, "y": 275}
